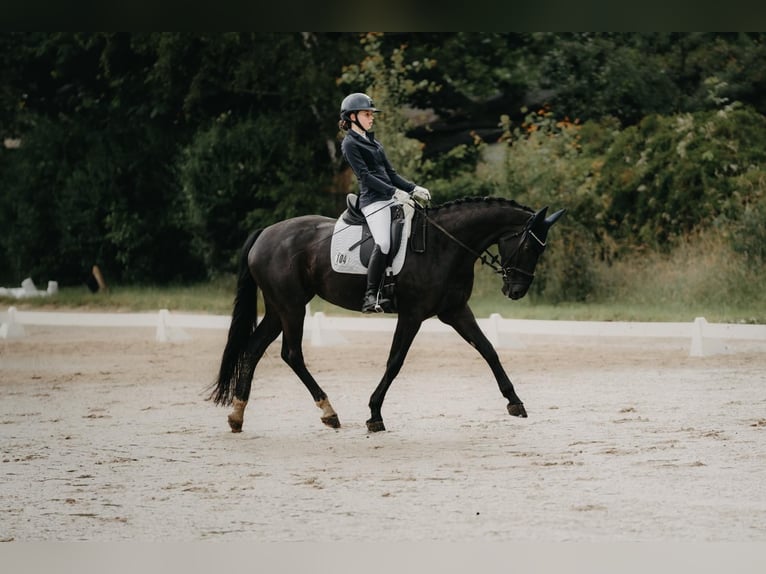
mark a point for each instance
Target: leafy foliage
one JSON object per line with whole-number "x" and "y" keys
{"x": 646, "y": 188}
{"x": 240, "y": 175}
{"x": 669, "y": 175}
{"x": 155, "y": 154}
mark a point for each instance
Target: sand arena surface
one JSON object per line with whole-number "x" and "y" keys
{"x": 105, "y": 435}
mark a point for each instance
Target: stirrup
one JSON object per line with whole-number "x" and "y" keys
{"x": 374, "y": 308}
{"x": 369, "y": 306}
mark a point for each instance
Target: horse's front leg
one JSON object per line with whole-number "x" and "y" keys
{"x": 463, "y": 321}
{"x": 406, "y": 329}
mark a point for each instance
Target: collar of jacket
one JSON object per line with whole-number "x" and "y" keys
{"x": 370, "y": 139}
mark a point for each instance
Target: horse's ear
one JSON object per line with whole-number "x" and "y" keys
{"x": 555, "y": 217}
{"x": 539, "y": 216}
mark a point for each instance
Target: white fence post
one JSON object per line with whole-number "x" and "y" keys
{"x": 166, "y": 332}
{"x": 703, "y": 346}
{"x": 492, "y": 329}
{"x": 499, "y": 337}
{"x": 11, "y": 329}
{"x": 321, "y": 335}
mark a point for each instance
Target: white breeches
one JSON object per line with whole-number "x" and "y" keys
{"x": 378, "y": 217}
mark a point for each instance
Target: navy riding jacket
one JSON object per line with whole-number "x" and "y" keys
{"x": 377, "y": 178}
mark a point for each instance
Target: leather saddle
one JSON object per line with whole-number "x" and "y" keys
{"x": 353, "y": 216}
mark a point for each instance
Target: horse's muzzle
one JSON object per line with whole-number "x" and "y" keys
{"x": 515, "y": 291}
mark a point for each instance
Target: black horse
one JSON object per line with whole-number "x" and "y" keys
{"x": 290, "y": 262}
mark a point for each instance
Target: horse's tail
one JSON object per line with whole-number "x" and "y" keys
{"x": 235, "y": 363}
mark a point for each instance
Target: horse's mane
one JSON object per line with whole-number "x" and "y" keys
{"x": 488, "y": 200}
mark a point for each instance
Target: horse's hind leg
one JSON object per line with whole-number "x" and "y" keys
{"x": 292, "y": 354}
{"x": 237, "y": 415}
{"x": 265, "y": 333}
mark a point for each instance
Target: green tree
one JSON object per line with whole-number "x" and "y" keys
{"x": 186, "y": 141}
{"x": 103, "y": 119}
{"x": 670, "y": 175}
{"x": 395, "y": 81}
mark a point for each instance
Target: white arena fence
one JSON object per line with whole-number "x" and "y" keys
{"x": 321, "y": 330}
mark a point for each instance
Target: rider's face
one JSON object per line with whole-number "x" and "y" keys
{"x": 366, "y": 118}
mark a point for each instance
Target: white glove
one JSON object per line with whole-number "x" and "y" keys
{"x": 403, "y": 197}
{"x": 421, "y": 195}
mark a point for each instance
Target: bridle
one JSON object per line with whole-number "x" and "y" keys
{"x": 539, "y": 246}
{"x": 492, "y": 260}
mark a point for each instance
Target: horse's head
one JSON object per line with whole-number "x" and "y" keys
{"x": 520, "y": 251}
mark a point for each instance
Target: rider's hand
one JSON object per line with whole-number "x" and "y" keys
{"x": 403, "y": 197}
{"x": 421, "y": 195}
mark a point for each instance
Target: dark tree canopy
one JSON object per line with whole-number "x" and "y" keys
{"x": 154, "y": 154}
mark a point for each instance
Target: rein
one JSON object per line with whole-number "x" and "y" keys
{"x": 487, "y": 258}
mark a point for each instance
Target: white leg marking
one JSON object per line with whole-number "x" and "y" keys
{"x": 327, "y": 410}
{"x": 238, "y": 414}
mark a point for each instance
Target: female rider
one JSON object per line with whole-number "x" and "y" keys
{"x": 380, "y": 187}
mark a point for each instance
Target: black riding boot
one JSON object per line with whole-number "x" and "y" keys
{"x": 373, "y": 300}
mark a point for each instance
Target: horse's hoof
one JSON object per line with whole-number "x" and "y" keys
{"x": 517, "y": 410}
{"x": 236, "y": 425}
{"x": 332, "y": 421}
{"x": 375, "y": 426}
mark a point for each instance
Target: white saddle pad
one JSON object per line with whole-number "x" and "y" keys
{"x": 347, "y": 260}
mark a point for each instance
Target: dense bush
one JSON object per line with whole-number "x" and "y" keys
{"x": 669, "y": 175}
{"x": 102, "y": 120}
{"x": 557, "y": 164}
{"x": 748, "y": 232}
{"x": 31, "y": 176}
{"x": 243, "y": 174}
{"x": 637, "y": 190}
{"x": 74, "y": 197}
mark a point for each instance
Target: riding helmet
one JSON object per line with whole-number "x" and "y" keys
{"x": 355, "y": 103}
